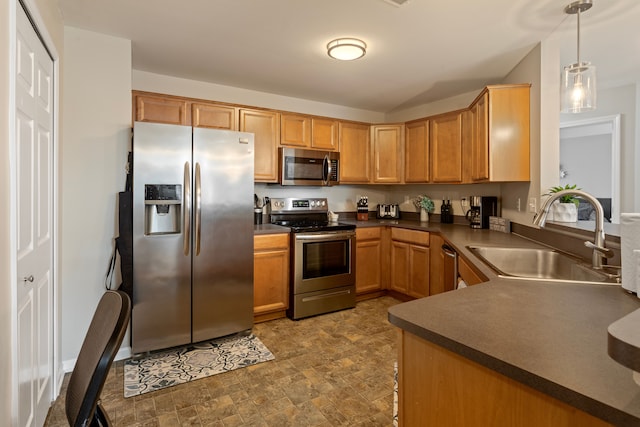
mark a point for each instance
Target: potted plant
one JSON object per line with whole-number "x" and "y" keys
{"x": 566, "y": 208}
{"x": 425, "y": 204}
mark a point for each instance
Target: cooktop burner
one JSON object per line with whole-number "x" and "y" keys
{"x": 304, "y": 215}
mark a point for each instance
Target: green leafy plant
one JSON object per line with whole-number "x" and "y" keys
{"x": 424, "y": 202}
{"x": 566, "y": 198}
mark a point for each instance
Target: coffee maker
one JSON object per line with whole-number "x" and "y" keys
{"x": 481, "y": 208}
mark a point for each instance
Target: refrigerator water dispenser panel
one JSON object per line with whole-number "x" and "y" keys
{"x": 163, "y": 208}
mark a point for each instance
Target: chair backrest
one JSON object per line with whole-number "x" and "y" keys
{"x": 98, "y": 350}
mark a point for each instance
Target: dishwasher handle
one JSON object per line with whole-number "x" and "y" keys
{"x": 448, "y": 251}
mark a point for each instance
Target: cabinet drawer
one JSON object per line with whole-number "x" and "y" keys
{"x": 368, "y": 233}
{"x": 270, "y": 241}
{"x": 411, "y": 236}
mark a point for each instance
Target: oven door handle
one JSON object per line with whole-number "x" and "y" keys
{"x": 323, "y": 237}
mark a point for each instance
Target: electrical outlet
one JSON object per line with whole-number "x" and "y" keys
{"x": 518, "y": 204}
{"x": 532, "y": 205}
{"x": 463, "y": 202}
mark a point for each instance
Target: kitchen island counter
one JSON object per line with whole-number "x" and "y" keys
{"x": 550, "y": 336}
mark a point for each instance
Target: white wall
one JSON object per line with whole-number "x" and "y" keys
{"x": 169, "y": 85}
{"x": 97, "y": 122}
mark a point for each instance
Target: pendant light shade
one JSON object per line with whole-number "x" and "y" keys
{"x": 346, "y": 49}
{"x": 578, "y": 88}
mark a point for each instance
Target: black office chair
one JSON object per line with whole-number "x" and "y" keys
{"x": 100, "y": 346}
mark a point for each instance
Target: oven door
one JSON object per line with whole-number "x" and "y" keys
{"x": 323, "y": 260}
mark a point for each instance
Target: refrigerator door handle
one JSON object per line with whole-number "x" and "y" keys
{"x": 198, "y": 209}
{"x": 186, "y": 217}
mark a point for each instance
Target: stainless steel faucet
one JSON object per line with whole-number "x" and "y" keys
{"x": 600, "y": 252}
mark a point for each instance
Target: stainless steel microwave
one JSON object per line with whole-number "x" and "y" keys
{"x": 308, "y": 167}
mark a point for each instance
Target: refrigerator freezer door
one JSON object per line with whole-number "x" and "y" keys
{"x": 161, "y": 315}
{"x": 223, "y": 233}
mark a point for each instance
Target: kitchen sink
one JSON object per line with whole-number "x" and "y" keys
{"x": 543, "y": 264}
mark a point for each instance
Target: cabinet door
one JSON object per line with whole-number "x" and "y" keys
{"x": 436, "y": 265}
{"x": 214, "y": 116}
{"x": 400, "y": 267}
{"x": 355, "y": 160}
{"x": 480, "y": 140}
{"x": 271, "y": 274}
{"x": 265, "y": 125}
{"x": 324, "y": 134}
{"x": 446, "y": 148}
{"x": 416, "y": 147}
{"x": 159, "y": 109}
{"x": 387, "y": 142}
{"x": 418, "y": 271}
{"x": 295, "y": 130}
{"x": 368, "y": 260}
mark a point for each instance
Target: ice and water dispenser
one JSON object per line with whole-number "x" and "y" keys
{"x": 162, "y": 208}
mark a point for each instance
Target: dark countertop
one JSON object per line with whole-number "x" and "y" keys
{"x": 551, "y": 336}
{"x": 269, "y": 229}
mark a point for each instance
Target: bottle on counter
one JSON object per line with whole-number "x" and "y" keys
{"x": 446, "y": 212}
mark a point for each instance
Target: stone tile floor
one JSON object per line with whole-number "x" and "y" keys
{"x": 330, "y": 370}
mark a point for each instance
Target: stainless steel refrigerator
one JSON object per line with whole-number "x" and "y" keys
{"x": 192, "y": 235}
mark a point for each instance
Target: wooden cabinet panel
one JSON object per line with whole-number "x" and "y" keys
{"x": 265, "y": 125}
{"x": 446, "y": 148}
{"x": 418, "y": 271}
{"x": 411, "y": 236}
{"x": 499, "y": 144}
{"x": 158, "y": 109}
{"x": 416, "y": 147}
{"x": 368, "y": 273}
{"x": 295, "y": 130}
{"x": 271, "y": 275}
{"x": 437, "y": 387}
{"x": 399, "y": 280}
{"x": 324, "y": 134}
{"x": 436, "y": 265}
{"x": 468, "y": 274}
{"x": 355, "y": 159}
{"x": 387, "y": 142}
{"x": 214, "y": 116}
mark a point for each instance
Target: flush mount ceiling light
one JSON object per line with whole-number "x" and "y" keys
{"x": 578, "y": 90}
{"x": 346, "y": 49}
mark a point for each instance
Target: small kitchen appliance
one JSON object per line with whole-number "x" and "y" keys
{"x": 322, "y": 257}
{"x": 481, "y": 208}
{"x": 388, "y": 211}
{"x": 362, "y": 213}
{"x": 308, "y": 167}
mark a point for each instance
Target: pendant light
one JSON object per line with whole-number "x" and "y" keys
{"x": 578, "y": 90}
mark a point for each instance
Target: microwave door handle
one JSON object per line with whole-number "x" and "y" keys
{"x": 326, "y": 170}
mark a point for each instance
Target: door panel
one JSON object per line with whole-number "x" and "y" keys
{"x": 34, "y": 216}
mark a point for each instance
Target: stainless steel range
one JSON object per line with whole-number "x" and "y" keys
{"x": 322, "y": 257}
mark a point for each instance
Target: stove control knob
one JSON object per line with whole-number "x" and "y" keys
{"x": 313, "y": 203}
{"x": 324, "y": 203}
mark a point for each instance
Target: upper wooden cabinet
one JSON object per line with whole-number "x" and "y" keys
{"x": 499, "y": 134}
{"x": 446, "y": 148}
{"x": 160, "y": 109}
{"x": 388, "y": 153}
{"x": 214, "y": 116}
{"x": 355, "y": 158}
{"x": 295, "y": 130}
{"x": 324, "y": 134}
{"x": 416, "y": 152}
{"x": 265, "y": 125}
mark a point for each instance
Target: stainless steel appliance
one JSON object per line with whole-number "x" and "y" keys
{"x": 308, "y": 167}
{"x": 481, "y": 208}
{"x": 388, "y": 211}
{"x": 192, "y": 235}
{"x": 322, "y": 257}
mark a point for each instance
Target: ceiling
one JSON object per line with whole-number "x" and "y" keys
{"x": 419, "y": 52}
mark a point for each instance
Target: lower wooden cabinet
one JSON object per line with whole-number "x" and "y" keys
{"x": 368, "y": 260}
{"x": 270, "y": 276}
{"x": 467, "y": 274}
{"x": 437, "y": 387}
{"x": 409, "y": 270}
